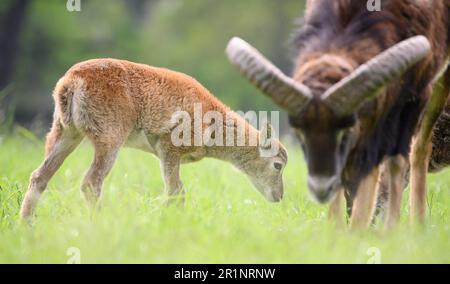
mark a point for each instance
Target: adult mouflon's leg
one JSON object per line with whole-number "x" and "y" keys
{"x": 365, "y": 201}
{"x": 336, "y": 211}
{"x": 421, "y": 149}
{"x": 395, "y": 169}
{"x": 60, "y": 143}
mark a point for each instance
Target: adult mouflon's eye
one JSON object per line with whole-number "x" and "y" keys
{"x": 278, "y": 166}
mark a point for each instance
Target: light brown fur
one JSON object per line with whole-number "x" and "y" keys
{"x": 365, "y": 200}
{"x": 115, "y": 103}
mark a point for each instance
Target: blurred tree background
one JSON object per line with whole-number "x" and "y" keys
{"x": 41, "y": 39}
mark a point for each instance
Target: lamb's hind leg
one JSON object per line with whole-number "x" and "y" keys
{"x": 60, "y": 143}
{"x": 104, "y": 157}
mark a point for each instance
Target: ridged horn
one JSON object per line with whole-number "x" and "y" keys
{"x": 346, "y": 96}
{"x": 284, "y": 91}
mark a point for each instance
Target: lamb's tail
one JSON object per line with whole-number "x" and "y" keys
{"x": 65, "y": 91}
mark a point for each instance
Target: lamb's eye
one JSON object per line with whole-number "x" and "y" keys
{"x": 278, "y": 166}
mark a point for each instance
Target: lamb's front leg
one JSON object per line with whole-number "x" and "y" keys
{"x": 170, "y": 167}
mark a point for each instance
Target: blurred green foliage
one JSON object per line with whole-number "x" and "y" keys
{"x": 184, "y": 35}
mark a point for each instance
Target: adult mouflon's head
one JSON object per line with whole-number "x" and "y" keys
{"x": 324, "y": 98}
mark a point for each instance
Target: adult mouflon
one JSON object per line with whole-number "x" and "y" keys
{"x": 360, "y": 95}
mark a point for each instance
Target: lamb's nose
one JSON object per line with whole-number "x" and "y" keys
{"x": 321, "y": 186}
{"x": 277, "y": 196}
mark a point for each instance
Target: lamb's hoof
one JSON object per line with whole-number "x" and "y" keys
{"x": 177, "y": 200}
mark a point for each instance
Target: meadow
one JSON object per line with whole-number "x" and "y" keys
{"x": 224, "y": 220}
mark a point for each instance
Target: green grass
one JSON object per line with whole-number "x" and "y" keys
{"x": 225, "y": 220}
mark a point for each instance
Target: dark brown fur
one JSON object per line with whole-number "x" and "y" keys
{"x": 339, "y": 35}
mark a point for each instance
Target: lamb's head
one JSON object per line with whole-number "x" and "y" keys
{"x": 324, "y": 110}
{"x": 265, "y": 166}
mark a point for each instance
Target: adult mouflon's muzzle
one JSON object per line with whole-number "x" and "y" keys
{"x": 323, "y": 188}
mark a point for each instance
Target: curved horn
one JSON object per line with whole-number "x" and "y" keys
{"x": 368, "y": 79}
{"x": 284, "y": 91}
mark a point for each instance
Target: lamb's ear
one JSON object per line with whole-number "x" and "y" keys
{"x": 268, "y": 148}
{"x": 265, "y": 136}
